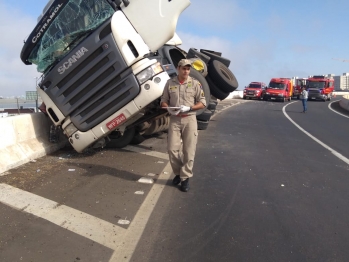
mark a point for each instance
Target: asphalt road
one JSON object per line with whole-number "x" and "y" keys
{"x": 263, "y": 190}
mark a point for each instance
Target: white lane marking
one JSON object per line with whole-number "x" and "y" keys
{"x": 93, "y": 228}
{"x": 334, "y": 152}
{"x": 226, "y": 107}
{"x": 146, "y": 152}
{"x": 134, "y": 232}
{"x": 329, "y": 106}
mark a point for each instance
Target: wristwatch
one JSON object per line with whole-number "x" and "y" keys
{"x": 191, "y": 109}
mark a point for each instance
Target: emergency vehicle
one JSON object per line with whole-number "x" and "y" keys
{"x": 320, "y": 87}
{"x": 279, "y": 89}
{"x": 299, "y": 83}
{"x": 254, "y": 90}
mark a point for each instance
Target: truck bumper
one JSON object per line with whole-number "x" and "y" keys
{"x": 317, "y": 97}
{"x": 150, "y": 91}
{"x": 272, "y": 97}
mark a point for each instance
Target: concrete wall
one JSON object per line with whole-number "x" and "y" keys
{"x": 236, "y": 94}
{"x": 25, "y": 137}
{"x": 344, "y": 102}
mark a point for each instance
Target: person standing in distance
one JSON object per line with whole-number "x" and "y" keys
{"x": 304, "y": 97}
{"x": 185, "y": 94}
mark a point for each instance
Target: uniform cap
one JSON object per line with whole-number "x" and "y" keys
{"x": 184, "y": 62}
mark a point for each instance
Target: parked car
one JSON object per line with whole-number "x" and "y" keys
{"x": 254, "y": 90}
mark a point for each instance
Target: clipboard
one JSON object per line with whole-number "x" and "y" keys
{"x": 172, "y": 107}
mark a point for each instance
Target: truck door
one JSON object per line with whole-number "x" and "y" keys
{"x": 155, "y": 20}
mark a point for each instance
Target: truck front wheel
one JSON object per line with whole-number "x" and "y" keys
{"x": 119, "y": 141}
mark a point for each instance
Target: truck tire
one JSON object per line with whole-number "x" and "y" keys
{"x": 137, "y": 139}
{"x": 222, "y": 76}
{"x": 202, "y": 125}
{"x": 215, "y": 91}
{"x": 212, "y": 106}
{"x": 119, "y": 141}
{"x": 214, "y": 56}
{"x": 205, "y": 116}
{"x": 205, "y": 87}
{"x": 193, "y": 53}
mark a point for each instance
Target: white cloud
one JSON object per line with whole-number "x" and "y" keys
{"x": 15, "y": 77}
{"x": 220, "y": 14}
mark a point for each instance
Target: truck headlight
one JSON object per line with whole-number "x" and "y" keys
{"x": 267, "y": 93}
{"x": 280, "y": 94}
{"x": 148, "y": 73}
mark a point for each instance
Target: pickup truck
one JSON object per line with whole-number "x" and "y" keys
{"x": 254, "y": 90}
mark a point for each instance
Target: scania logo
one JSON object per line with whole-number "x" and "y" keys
{"x": 72, "y": 60}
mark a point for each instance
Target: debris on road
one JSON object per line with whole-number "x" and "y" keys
{"x": 123, "y": 222}
{"x": 139, "y": 193}
{"x": 146, "y": 180}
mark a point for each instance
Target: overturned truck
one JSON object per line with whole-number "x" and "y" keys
{"x": 104, "y": 65}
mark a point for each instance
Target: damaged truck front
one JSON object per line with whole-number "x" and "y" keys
{"x": 101, "y": 74}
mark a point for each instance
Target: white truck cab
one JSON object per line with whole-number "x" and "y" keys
{"x": 98, "y": 65}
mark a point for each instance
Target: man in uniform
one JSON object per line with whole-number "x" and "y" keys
{"x": 182, "y": 96}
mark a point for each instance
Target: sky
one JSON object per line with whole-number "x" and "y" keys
{"x": 263, "y": 39}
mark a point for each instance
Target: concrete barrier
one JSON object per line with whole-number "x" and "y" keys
{"x": 24, "y": 138}
{"x": 344, "y": 102}
{"x": 236, "y": 94}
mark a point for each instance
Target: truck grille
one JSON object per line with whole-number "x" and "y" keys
{"x": 95, "y": 86}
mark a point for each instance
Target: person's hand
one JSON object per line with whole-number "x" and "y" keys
{"x": 172, "y": 111}
{"x": 184, "y": 109}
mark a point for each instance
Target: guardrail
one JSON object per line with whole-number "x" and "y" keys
{"x": 25, "y": 137}
{"x": 344, "y": 102}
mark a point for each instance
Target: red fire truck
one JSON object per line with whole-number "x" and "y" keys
{"x": 299, "y": 83}
{"x": 320, "y": 88}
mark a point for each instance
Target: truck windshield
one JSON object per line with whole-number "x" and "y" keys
{"x": 312, "y": 84}
{"x": 276, "y": 85}
{"x": 76, "y": 20}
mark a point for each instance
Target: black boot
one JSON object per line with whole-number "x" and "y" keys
{"x": 176, "y": 180}
{"x": 185, "y": 185}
